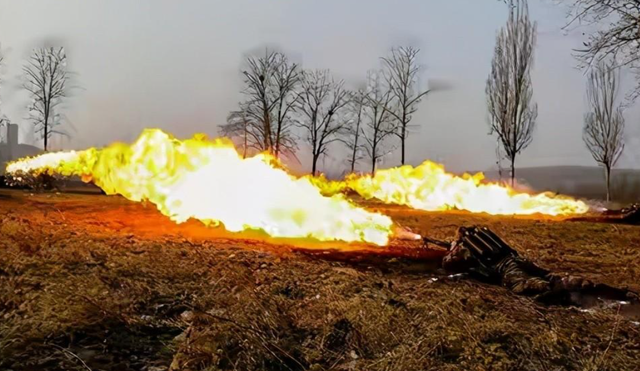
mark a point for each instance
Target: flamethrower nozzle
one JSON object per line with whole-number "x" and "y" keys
{"x": 405, "y": 233}
{"x": 433, "y": 241}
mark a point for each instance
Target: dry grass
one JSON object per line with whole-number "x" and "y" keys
{"x": 90, "y": 282}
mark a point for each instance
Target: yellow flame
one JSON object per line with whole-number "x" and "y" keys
{"x": 328, "y": 187}
{"x": 209, "y": 181}
{"x": 429, "y": 187}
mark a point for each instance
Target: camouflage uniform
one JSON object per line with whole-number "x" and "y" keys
{"x": 485, "y": 256}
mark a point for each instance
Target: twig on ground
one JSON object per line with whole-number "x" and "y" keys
{"x": 70, "y": 354}
{"x": 613, "y": 333}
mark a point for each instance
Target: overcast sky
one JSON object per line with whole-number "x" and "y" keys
{"x": 176, "y": 65}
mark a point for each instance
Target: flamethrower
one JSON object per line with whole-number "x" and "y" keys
{"x": 483, "y": 255}
{"x": 628, "y": 215}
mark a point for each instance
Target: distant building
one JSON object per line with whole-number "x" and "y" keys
{"x": 10, "y": 149}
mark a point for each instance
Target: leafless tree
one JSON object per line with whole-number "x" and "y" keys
{"x": 287, "y": 80}
{"x": 617, "y": 37}
{"x": 46, "y": 80}
{"x": 379, "y": 123}
{"x": 401, "y": 73}
{"x": 239, "y": 126}
{"x": 604, "y": 124}
{"x": 353, "y": 138}
{"x": 512, "y": 114}
{"x": 271, "y": 83}
{"x": 321, "y": 105}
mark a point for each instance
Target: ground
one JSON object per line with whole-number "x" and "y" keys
{"x": 94, "y": 282}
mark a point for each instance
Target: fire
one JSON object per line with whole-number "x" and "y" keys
{"x": 429, "y": 187}
{"x": 209, "y": 181}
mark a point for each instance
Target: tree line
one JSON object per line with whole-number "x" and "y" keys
{"x": 284, "y": 104}
{"x": 509, "y": 90}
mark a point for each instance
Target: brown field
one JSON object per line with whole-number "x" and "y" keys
{"x": 89, "y": 282}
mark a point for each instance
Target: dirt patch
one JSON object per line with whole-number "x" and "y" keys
{"x": 95, "y": 282}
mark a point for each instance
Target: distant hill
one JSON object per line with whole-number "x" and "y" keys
{"x": 579, "y": 181}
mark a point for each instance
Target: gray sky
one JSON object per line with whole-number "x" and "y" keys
{"x": 175, "y": 65}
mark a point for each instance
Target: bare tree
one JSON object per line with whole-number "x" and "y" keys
{"x": 321, "y": 104}
{"x": 512, "y": 114}
{"x": 379, "y": 123}
{"x": 271, "y": 83}
{"x": 604, "y": 124}
{"x": 617, "y": 37}
{"x": 46, "y": 81}
{"x": 401, "y": 72}
{"x": 239, "y": 126}
{"x": 287, "y": 80}
{"x": 353, "y": 139}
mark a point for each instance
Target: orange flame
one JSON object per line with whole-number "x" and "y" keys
{"x": 209, "y": 181}
{"x": 429, "y": 187}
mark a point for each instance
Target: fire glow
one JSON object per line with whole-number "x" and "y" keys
{"x": 429, "y": 187}
{"x": 209, "y": 181}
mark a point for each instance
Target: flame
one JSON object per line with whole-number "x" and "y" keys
{"x": 429, "y": 187}
{"x": 209, "y": 181}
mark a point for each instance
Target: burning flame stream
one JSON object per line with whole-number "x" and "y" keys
{"x": 209, "y": 181}
{"x": 429, "y": 187}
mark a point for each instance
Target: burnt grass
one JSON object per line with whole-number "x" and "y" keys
{"x": 89, "y": 282}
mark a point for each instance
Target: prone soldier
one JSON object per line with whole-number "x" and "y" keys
{"x": 483, "y": 255}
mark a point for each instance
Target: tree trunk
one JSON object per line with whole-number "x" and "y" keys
{"x": 373, "y": 165}
{"x": 277, "y": 143}
{"x": 513, "y": 171}
{"x": 267, "y": 128}
{"x": 355, "y": 143}
{"x": 314, "y": 161}
{"x": 607, "y": 177}
{"x": 244, "y": 147}
{"x": 353, "y": 160}
{"x": 402, "y": 140}
{"x": 46, "y": 133}
{"x": 373, "y": 155}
